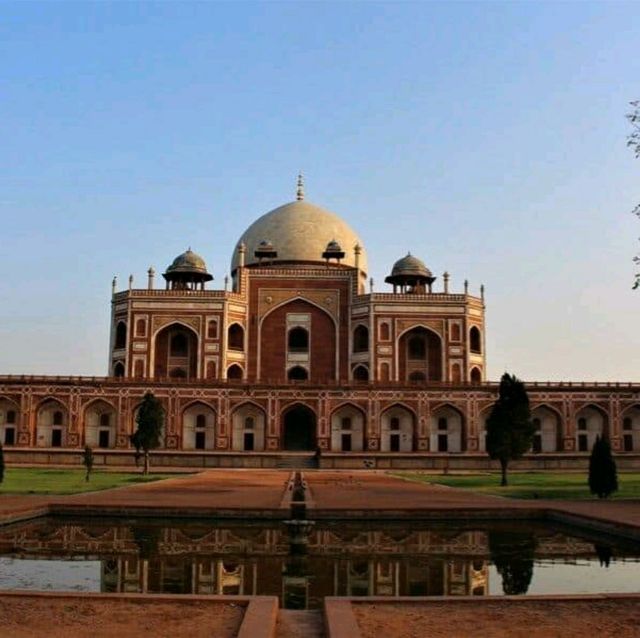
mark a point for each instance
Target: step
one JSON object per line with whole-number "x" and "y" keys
{"x": 299, "y": 624}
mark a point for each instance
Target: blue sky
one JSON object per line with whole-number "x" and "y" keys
{"x": 487, "y": 138}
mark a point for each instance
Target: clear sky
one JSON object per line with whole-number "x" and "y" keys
{"x": 488, "y": 139}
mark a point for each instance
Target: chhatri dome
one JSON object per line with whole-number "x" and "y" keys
{"x": 300, "y": 231}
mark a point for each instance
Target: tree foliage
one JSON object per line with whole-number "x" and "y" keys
{"x": 512, "y": 553}
{"x": 603, "y": 476}
{"x": 633, "y": 141}
{"x": 509, "y": 427}
{"x": 87, "y": 461}
{"x": 150, "y": 421}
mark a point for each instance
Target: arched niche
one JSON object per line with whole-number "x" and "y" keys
{"x": 176, "y": 352}
{"x": 248, "y": 425}
{"x": 548, "y": 431}
{"x": 475, "y": 340}
{"x": 100, "y": 425}
{"x": 297, "y": 373}
{"x": 299, "y": 428}
{"x": 447, "y": 430}
{"x": 631, "y": 429}
{"x": 9, "y": 419}
{"x": 397, "y": 429}
{"x": 347, "y": 429}
{"x": 590, "y": 422}
{"x": 361, "y": 373}
{"x": 420, "y": 351}
{"x": 235, "y": 337}
{"x": 235, "y": 372}
{"x": 198, "y": 427}
{"x": 52, "y": 421}
{"x": 121, "y": 336}
{"x": 361, "y": 339}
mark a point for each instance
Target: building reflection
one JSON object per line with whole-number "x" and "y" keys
{"x": 330, "y": 560}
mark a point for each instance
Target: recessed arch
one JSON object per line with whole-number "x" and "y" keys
{"x": 248, "y": 427}
{"x": 298, "y": 427}
{"x": 235, "y": 337}
{"x": 397, "y": 428}
{"x": 361, "y": 338}
{"x": 348, "y": 423}
{"x": 420, "y": 348}
{"x": 630, "y": 428}
{"x": 52, "y": 420}
{"x": 175, "y": 347}
{"x": 548, "y": 429}
{"x": 235, "y": 372}
{"x": 475, "y": 340}
{"x": 198, "y": 421}
{"x": 591, "y": 421}
{"x": 298, "y": 339}
{"x": 9, "y": 421}
{"x": 447, "y": 431}
{"x": 361, "y": 373}
{"x": 297, "y": 373}
{"x": 120, "y": 341}
{"x": 118, "y": 369}
{"x": 475, "y": 375}
{"x": 100, "y": 420}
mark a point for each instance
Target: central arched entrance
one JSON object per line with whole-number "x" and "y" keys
{"x": 299, "y": 428}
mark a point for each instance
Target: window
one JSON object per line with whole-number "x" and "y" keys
{"x": 11, "y": 416}
{"x": 212, "y": 330}
{"x": 236, "y": 337}
{"x": 582, "y": 423}
{"x": 442, "y": 423}
{"x": 476, "y": 375}
{"x": 298, "y": 340}
{"x": 118, "y": 370}
{"x": 121, "y": 335}
{"x": 346, "y": 423}
{"x": 536, "y": 423}
{"x": 361, "y": 339}
{"x": 475, "y": 341}
{"x": 297, "y": 373}
{"x": 394, "y": 423}
{"x": 201, "y": 421}
{"x": 417, "y": 348}
{"x": 105, "y": 419}
{"x": 249, "y": 423}
{"x": 57, "y": 418}
{"x": 179, "y": 345}
{"x": 361, "y": 373}
{"x": 234, "y": 372}
{"x": 626, "y": 424}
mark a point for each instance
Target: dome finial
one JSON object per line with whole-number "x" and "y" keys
{"x": 300, "y": 189}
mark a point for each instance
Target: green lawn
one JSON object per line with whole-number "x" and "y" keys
{"x": 53, "y": 481}
{"x": 553, "y": 485}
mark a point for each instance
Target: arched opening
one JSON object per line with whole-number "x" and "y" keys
{"x": 298, "y": 340}
{"x": 590, "y": 423}
{"x": 397, "y": 430}
{"x": 347, "y": 429}
{"x": 361, "y": 373}
{"x": 297, "y": 373}
{"x": 121, "y": 335}
{"x": 234, "y": 372}
{"x": 141, "y": 328}
{"x": 547, "y": 436}
{"x": 235, "y": 339}
{"x": 118, "y": 370}
{"x": 299, "y": 428}
{"x": 420, "y": 350}
{"x": 482, "y": 430}
{"x": 475, "y": 340}
{"x": 631, "y": 430}
{"x": 8, "y": 422}
{"x": 446, "y": 430}
{"x": 476, "y": 375}
{"x": 198, "y": 427}
{"x": 176, "y": 353}
{"x": 361, "y": 339}
{"x": 100, "y": 424}
{"x": 51, "y": 426}
{"x": 248, "y": 428}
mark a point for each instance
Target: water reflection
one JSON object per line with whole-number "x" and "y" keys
{"x": 302, "y": 562}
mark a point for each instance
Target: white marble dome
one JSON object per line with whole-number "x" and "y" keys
{"x": 300, "y": 231}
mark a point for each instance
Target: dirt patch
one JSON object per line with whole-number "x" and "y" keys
{"x": 489, "y": 619}
{"x": 30, "y": 617}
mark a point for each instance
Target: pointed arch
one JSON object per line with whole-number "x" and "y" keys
{"x": 52, "y": 421}
{"x": 100, "y": 423}
{"x": 248, "y": 421}
{"x": 548, "y": 428}
{"x": 198, "y": 421}
{"x": 447, "y": 428}
{"x": 9, "y": 420}
{"x": 630, "y": 428}
{"x": 420, "y": 348}
{"x": 361, "y": 373}
{"x": 298, "y": 426}
{"x": 235, "y": 337}
{"x": 348, "y": 425}
{"x": 120, "y": 340}
{"x": 398, "y": 428}
{"x": 591, "y": 421}
{"x": 169, "y": 361}
{"x": 361, "y": 338}
{"x": 235, "y": 372}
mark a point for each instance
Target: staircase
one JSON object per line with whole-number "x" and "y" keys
{"x": 297, "y": 462}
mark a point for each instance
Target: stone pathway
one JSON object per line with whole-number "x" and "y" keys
{"x": 299, "y": 624}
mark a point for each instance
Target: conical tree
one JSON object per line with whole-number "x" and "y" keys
{"x": 150, "y": 422}
{"x": 603, "y": 476}
{"x": 509, "y": 427}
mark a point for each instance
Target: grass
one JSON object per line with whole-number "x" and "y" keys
{"x": 527, "y": 485}
{"x": 62, "y": 481}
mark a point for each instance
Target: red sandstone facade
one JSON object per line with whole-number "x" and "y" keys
{"x": 298, "y": 356}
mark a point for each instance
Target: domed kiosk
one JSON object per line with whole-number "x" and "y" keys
{"x": 187, "y": 272}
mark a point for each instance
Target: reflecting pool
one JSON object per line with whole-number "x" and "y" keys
{"x": 302, "y": 562}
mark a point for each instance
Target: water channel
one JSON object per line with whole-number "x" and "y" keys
{"x": 302, "y": 562}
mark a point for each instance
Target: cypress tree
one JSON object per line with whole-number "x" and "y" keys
{"x": 603, "y": 476}
{"x": 509, "y": 427}
{"x": 87, "y": 461}
{"x": 150, "y": 422}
